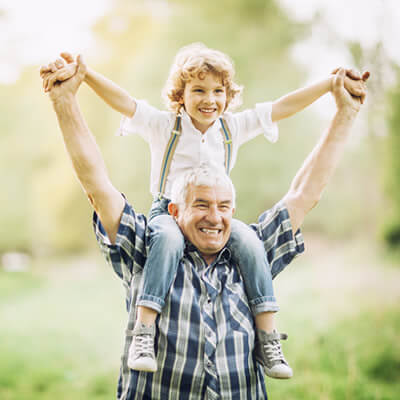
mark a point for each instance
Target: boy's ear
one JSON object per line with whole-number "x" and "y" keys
{"x": 226, "y": 105}
{"x": 180, "y": 96}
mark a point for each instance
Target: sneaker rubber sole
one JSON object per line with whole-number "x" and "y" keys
{"x": 146, "y": 364}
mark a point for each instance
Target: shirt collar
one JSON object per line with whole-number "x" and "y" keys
{"x": 188, "y": 121}
{"x": 223, "y": 256}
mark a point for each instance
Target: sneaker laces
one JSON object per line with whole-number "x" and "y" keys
{"x": 144, "y": 345}
{"x": 274, "y": 351}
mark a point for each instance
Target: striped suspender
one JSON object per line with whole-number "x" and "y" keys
{"x": 227, "y": 137}
{"x": 173, "y": 142}
{"x": 169, "y": 153}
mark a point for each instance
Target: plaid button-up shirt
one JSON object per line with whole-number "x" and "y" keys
{"x": 205, "y": 333}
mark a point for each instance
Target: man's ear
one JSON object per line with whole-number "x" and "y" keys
{"x": 173, "y": 209}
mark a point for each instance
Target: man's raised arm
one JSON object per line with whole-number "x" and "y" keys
{"x": 310, "y": 181}
{"x": 85, "y": 155}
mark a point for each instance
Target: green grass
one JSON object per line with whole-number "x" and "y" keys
{"x": 57, "y": 339}
{"x": 62, "y": 323}
{"x": 356, "y": 359}
{"x": 14, "y": 284}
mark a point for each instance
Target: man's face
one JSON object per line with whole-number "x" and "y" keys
{"x": 205, "y": 219}
{"x": 204, "y": 98}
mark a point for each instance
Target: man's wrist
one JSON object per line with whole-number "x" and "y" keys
{"x": 347, "y": 113}
{"x": 63, "y": 101}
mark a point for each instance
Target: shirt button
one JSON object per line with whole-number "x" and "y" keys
{"x": 209, "y": 363}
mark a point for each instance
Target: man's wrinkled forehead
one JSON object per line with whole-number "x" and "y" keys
{"x": 221, "y": 192}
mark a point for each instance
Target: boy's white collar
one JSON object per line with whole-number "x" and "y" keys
{"x": 186, "y": 117}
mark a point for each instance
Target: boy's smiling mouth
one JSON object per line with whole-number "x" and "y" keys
{"x": 207, "y": 110}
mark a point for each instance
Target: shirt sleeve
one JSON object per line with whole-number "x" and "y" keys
{"x": 252, "y": 122}
{"x": 148, "y": 122}
{"x": 128, "y": 254}
{"x": 275, "y": 230}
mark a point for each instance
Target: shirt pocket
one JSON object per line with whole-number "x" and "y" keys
{"x": 240, "y": 316}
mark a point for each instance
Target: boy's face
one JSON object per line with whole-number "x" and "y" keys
{"x": 204, "y": 98}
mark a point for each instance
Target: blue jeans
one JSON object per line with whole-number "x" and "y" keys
{"x": 166, "y": 249}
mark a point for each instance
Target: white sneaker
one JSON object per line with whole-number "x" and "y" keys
{"x": 269, "y": 354}
{"x": 141, "y": 355}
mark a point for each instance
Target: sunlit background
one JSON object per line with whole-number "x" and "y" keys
{"x": 61, "y": 308}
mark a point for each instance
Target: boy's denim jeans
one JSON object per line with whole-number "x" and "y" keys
{"x": 166, "y": 249}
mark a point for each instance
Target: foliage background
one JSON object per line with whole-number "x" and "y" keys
{"x": 44, "y": 213}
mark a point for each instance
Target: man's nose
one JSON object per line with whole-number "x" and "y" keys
{"x": 213, "y": 215}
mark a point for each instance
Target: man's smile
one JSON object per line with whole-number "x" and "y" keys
{"x": 211, "y": 231}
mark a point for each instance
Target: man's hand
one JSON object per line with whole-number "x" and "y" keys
{"x": 62, "y": 80}
{"x": 345, "y": 100}
{"x": 354, "y": 83}
{"x": 58, "y": 71}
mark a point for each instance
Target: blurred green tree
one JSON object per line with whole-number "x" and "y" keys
{"x": 48, "y": 212}
{"x": 391, "y": 225}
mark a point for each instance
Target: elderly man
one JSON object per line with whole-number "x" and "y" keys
{"x": 206, "y": 336}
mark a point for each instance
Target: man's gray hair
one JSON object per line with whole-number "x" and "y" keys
{"x": 210, "y": 175}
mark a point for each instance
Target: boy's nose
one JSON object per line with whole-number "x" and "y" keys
{"x": 209, "y": 98}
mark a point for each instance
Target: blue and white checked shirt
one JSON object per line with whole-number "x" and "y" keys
{"x": 205, "y": 337}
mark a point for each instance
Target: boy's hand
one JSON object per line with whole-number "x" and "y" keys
{"x": 58, "y": 71}
{"x": 354, "y": 83}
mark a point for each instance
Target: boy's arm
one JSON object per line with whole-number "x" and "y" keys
{"x": 116, "y": 97}
{"x": 296, "y": 101}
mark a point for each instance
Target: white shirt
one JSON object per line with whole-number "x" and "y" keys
{"x": 194, "y": 148}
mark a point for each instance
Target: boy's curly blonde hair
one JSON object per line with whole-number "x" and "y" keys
{"x": 196, "y": 59}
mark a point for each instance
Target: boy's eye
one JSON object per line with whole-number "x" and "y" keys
{"x": 219, "y": 90}
{"x": 197, "y": 90}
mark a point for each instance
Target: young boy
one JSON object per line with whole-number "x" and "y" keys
{"x": 198, "y": 128}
